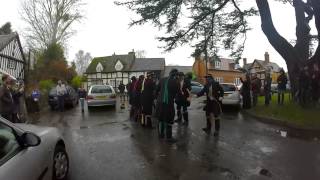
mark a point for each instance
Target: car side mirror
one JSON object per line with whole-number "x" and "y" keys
{"x": 30, "y": 139}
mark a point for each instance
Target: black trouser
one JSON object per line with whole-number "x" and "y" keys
{"x": 267, "y": 97}
{"x": 61, "y": 103}
{"x": 255, "y": 99}
{"x": 216, "y": 122}
{"x": 166, "y": 120}
{"x": 280, "y": 96}
{"x": 184, "y": 112}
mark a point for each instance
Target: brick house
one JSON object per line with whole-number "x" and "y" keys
{"x": 222, "y": 69}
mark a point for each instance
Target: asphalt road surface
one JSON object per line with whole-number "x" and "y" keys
{"x": 103, "y": 144}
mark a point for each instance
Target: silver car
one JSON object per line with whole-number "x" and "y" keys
{"x": 231, "y": 94}
{"x": 29, "y": 152}
{"x": 101, "y": 95}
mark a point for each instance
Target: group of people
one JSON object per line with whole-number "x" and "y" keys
{"x": 169, "y": 97}
{"x": 252, "y": 86}
{"x": 309, "y": 85}
{"x": 141, "y": 98}
{"x": 10, "y": 93}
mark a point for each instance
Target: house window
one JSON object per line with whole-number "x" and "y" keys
{"x": 12, "y": 64}
{"x": 113, "y": 83}
{"x": 237, "y": 81}
{"x": 219, "y": 79}
{"x": 217, "y": 64}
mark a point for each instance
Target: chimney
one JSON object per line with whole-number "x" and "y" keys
{"x": 266, "y": 58}
{"x": 244, "y": 61}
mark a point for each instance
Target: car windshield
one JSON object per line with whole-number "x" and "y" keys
{"x": 101, "y": 89}
{"x": 53, "y": 91}
{"x": 195, "y": 84}
{"x": 228, "y": 87}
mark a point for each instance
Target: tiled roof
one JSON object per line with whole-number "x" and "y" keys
{"x": 148, "y": 64}
{"x": 130, "y": 63}
{"x": 109, "y": 63}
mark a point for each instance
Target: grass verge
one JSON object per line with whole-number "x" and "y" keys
{"x": 289, "y": 113}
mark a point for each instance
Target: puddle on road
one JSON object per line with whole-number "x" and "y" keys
{"x": 261, "y": 172}
{"x": 267, "y": 150}
{"x": 309, "y": 135}
{"x": 225, "y": 172}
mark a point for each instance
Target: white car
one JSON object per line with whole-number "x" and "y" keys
{"x": 101, "y": 95}
{"x": 231, "y": 94}
{"x": 29, "y": 152}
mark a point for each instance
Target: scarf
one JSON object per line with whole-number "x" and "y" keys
{"x": 165, "y": 99}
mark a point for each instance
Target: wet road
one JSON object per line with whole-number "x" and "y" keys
{"x": 104, "y": 144}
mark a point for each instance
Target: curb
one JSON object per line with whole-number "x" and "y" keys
{"x": 278, "y": 122}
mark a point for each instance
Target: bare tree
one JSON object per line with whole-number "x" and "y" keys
{"x": 50, "y": 21}
{"x": 82, "y": 61}
{"x": 141, "y": 54}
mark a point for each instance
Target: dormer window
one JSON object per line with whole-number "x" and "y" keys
{"x": 217, "y": 64}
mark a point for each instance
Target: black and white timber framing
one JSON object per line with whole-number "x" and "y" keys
{"x": 12, "y": 59}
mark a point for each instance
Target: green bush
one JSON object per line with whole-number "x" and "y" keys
{"x": 46, "y": 85}
{"x": 76, "y": 81}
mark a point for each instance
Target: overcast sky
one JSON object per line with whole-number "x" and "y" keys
{"x": 105, "y": 31}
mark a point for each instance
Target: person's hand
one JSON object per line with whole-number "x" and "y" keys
{"x": 220, "y": 98}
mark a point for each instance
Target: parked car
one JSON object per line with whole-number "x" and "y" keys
{"x": 196, "y": 87}
{"x": 71, "y": 98}
{"x": 32, "y": 152}
{"x": 231, "y": 94}
{"x": 101, "y": 95}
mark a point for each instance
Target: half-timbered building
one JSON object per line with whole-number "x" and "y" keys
{"x": 120, "y": 68}
{"x": 12, "y": 59}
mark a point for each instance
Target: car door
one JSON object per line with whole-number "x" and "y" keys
{"x": 18, "y": 163}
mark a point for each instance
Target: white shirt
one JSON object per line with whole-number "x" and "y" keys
{"x": 61, "y": 90}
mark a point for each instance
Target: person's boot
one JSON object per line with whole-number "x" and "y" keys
{"x": 208, "y": 128}
{"x": 169, "y": 137}
{"x": 149, "y": 122}
{"x": 217, "y": 127}
{"x": 186, "y": 118}
{"x": 178, "y": 120}
{"x": 143, "y": 120}
{"x": 161, "y": 129}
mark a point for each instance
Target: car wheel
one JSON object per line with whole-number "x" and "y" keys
{"x": 60, "y": 163}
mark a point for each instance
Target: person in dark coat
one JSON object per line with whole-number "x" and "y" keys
{"x": 245, "y": 92}
{"x": 167, "y": 91}
{"x": 82, "y": 93}
{"x": 121, "y": 89}
{"x": 214, "y": 93}
{"x": 147, "y": 97}
{"x": 183, "y": 98}
{"x": 282, "y": 83}
{"x": 315, "y": 83}
{"x": 256, "y": 87}
{"x": 136, "y": 101}
{"x": 131, "y": 87}
{"x": 6, "y": 100}
{"x": 305, "y": 85}
{"x": 267, "y": 89}
{"x": 17, "y": 93}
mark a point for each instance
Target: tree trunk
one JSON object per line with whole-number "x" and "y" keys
{"x": 281, "y": 45}
{"x": 295, "y": 57}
